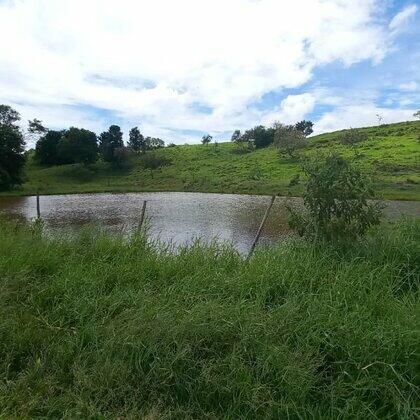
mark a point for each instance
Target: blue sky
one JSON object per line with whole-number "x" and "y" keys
{"x": 182, "y": 69}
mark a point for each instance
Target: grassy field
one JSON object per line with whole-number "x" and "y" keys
{"x": 98, "y": 326}
{"x": 391, "y": 156}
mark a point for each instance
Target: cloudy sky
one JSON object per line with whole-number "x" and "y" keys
{"x": 179, "y": 68}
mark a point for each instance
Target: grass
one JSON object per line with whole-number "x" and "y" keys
{"x": 391, "y": 156}
{"x": 101, "y": 326}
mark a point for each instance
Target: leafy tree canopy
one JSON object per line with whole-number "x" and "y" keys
{"x": 12, "y": 148}
{"x": 78, "y": 145}
{"x": 305, "y": 127}
{"x": 9, "y": 116}
{"x": 46, "y": 149}
{"x": 136, "y": 140}
{"x": 109, "y": 141}
{"x": 206, "y": 139}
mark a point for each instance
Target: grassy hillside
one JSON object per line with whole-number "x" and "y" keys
{"x": 391, "y": 155}
{"x": 99, "y": 326}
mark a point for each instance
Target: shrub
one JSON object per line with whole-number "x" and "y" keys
{"x": 352, "y": 137}
{"x": 289, "y": 140}
{"x": 122, "y": 157}
{"x": 152, "y": 161}
{"x": 79, "y": 172}
{"x": 336, "y": 202}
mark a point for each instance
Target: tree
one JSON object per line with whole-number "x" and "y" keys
{"x": 305, "y": 127}
{"x": 289, "y": 140}
{"x": 9, "y": 116}
{"x": 153, "y": 143}
{"x": 78, "y": 145}
{"x": 47, "y": 148}
{"x": 336, "y": 202}
{"x": 260, "y": 136}
{"x": 206, "y": 139}
{"x": 243, "y": 143}
{"x": 136, "y": 140}
{"x": 109, "y": 141}
{"x": 12, "y": 147}
{"x": 35, "y": 126}
{"x": 417, "y": 114}
{"x": 236, "y": 136}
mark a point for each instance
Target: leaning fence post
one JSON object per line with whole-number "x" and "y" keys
{"x": 257, "y": 236}
{"x": 38, "y": 208}
{"x": 143, "y": 211}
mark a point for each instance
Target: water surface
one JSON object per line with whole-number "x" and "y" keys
{"x": 174, "y": 217}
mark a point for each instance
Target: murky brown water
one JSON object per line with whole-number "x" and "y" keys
{"x": 174, "y": 217}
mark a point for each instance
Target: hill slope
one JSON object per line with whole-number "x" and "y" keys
{"x": 391, "y": 156}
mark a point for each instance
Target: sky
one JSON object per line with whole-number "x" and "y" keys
{"x": 180, "y": 69}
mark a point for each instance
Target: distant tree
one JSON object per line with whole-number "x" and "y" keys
{"x": 243, "y": 143}
{"x": 12, "y": 148}
{"x": 136, "y": 140}
{"x": 260, "y": 136}
{"x": 380, "y": 118}
{"x": 206, "y": 139}
{"x": 35, "y": 126}
{"x": 46, "y": 149}
{"x": 289, "y": 140}
{"x": 171, "y": 145}
{"x": 153, "y": 143}
{"x": 236, "y": 136}
{"x": 9, "y": 116}
{"x": 78, "y": 145}
{"x": 109, "y": 141}
{"x": 305, "y": 127}
{"x": 121, "y": 157}
{"x": 417, "y": 114}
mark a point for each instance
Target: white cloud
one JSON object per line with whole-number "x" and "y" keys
{"x": 401, "y": 18}
{"x": 153, "y": 62}
{"x": 363, "y": 115}
{"x": 410, "y": 86}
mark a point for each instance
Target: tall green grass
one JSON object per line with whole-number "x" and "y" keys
{"x": 98, "y": 325}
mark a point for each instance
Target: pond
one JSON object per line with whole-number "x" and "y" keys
{"x": 178, "y": 218}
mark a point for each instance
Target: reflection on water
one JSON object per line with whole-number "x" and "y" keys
{"x": 174, "y": 217}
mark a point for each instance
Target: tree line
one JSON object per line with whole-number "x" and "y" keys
{"x": 77, "y": 145}
{"x": 288, "y": 138}
{"x": 60, "y": 147}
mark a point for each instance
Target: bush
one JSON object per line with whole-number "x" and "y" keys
{"x": 289, "y": 140}
{"x": 336, "y": 201}
{"x": 122, "y": 157}
{"x": 152, "y": 161}
{"x": 79, "y": 172}
{"x": 352, "y": 137}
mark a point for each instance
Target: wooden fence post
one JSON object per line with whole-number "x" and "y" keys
{"x": 38, "y": 208}
{"x": 260, "y": 229}
{"x": 143, "y": 211}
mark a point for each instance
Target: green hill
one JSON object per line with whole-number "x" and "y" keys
{"x": 390, "y": 155}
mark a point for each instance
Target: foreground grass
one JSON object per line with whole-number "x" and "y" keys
{"x": 391, "y": 156}
{"x": 98, "y": 325}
